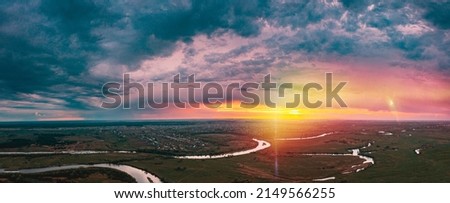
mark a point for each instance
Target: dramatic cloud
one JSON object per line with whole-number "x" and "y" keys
{"x": 56, "y": 55}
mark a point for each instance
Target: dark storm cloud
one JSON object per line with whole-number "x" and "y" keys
{"x": 78, "y": 17}
{"x": 156, "y": 30}
{"x": 37, "y": 48}
{"x": 24, "y": 66}
{"x": 48, "y": 43}
{"x": 355, "y": 4}
{"x": 183, "y": 22}
{"x": 437, "y": 12}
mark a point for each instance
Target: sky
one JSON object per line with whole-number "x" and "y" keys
{"x": 394, "y": 55}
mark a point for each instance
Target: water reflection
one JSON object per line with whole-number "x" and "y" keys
{"x": 261, "y": 145}
{"x": 139, "y": 175}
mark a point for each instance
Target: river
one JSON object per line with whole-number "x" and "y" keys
{"x": 261, "y": 145}
{"x": 142, "y": 176}
{"x": 139, "y": 175}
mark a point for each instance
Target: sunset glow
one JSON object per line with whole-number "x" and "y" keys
{"x": 395, "y": 68}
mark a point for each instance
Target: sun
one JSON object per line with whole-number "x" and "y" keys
{"x": 391, "y": 103}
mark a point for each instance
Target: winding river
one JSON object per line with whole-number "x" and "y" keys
{"x": 142, "y": 176}
{"x": 139, "y": 175}
{"x": 354, "y": 152}
{"x": 261, "y": 145}
{"x": 305, "y": 138}
{"x": 324, "y": 179}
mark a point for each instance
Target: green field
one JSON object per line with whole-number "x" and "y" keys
{"x": 285, "y": 161}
